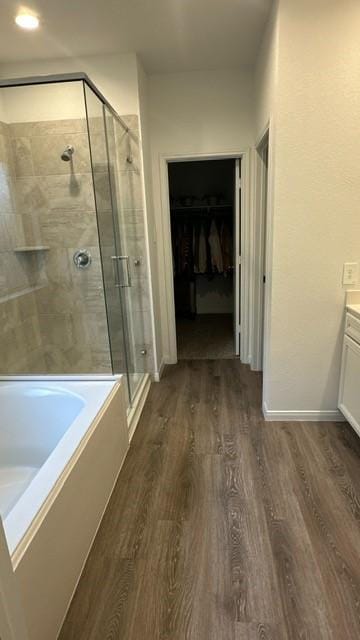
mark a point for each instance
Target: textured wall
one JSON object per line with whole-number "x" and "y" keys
{"x": 266, "y": 74}
{"x": 316, "y": 226}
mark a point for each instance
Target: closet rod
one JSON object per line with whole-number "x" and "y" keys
{"x": 201, "y": 214}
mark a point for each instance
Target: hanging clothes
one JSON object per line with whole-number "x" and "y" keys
{"x": 185, "y": 249}
{"x": 215, "y": 249}
{"x": 226, "y": 247}
{"x": 202, "y": 255}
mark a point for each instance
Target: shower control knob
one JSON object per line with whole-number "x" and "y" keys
{"x": 82, "y": 259}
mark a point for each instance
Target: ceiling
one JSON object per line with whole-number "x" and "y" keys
{"x": 168, "y": 35}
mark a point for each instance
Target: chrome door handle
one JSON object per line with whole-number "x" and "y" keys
{"x": 128, "y": 276}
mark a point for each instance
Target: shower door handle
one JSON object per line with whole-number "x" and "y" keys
{"x": 128, "y": 276}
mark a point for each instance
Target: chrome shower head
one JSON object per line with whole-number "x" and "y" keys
{"x": 67, "y": 153}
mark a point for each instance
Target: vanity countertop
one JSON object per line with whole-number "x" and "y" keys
{"x": 354, "y": 309}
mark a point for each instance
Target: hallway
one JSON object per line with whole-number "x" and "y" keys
{"x": 222, "y": 527}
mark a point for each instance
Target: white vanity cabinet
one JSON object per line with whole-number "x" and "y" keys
{"x": 349, "y": 395}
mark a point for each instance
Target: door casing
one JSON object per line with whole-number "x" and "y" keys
{"x": 261, "y": 223}
{"x": 166, "y": 262}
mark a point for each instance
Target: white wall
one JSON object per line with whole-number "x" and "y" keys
{"x": 43, "y": 102}
{"x": 316, "y": 189}
{"x": 266, "y": 71}
{"x": 190, "y": 113}
{"x": 149, "y": 210}
{"x": 114, "y": 75}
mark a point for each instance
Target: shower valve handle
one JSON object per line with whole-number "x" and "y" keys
{"x": 82, "y": 259}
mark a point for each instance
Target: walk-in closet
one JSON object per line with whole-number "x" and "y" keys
{"x": 203, "y": 224}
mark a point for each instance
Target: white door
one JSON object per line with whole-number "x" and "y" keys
{"x": 237, "y": 256}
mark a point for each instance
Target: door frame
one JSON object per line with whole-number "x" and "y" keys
{"x": 259, "y": 249}
{"x": 169, "y": 329}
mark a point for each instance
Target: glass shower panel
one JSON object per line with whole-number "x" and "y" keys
{"x": 108, "y": 230}
{"x": 123, "y": 149}
{"x": 52, "y": 304}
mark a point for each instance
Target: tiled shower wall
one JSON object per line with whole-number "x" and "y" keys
{"x": 21, "y": 274}
{"x": 53, "y": 315}
{"x": 71, "y": 307}
{"x": 54, "y": 200}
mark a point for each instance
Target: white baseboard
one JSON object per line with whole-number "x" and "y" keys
{"x": 158, "y": 374}
{"x": 271, "y": 415}
{"x": 136, "y": 410}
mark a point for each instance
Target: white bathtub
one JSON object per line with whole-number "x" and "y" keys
{"x": 62, "y": 444}
{"x": 42, "y": 424}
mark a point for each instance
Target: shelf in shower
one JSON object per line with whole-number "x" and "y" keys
{"x": 31, "y": 249}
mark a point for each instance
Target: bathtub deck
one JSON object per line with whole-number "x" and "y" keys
{"x": 223, "y": 527}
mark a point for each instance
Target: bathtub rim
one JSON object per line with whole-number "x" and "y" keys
{"x": 23, "y": 541}
{"x": 57, "y": 377}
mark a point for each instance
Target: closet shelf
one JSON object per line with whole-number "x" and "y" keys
{"x": 214, "y": 209}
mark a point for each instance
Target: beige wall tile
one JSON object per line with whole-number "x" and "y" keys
{"x": 68, "y": 192}
{"x": 57, "y": 267}
{"x": 48, "y": 127}
{"x": 22, "y": 157}
{"x": 29, "y": 195}
{"x": 11, "y": 231}
{"x": 130, "y": 193}
{"x": 6, "y": 192}
{"x": 131, "y": 120}
{"x": 19, "y": 271}
{"x": 46, "y": 154}
{"x": 103, "y": 193}
{"x": 66, "y": 228}
{"x": 127, "y": 150}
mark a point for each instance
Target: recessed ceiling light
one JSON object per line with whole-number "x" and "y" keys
{"x": 27, "y": 21}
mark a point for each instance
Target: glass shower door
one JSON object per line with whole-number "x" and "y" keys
{"x": 123, "y": 153}
{"x": 109, "y": 241}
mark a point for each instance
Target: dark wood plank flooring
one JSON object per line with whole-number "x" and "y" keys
{"x": 223, "y": 527}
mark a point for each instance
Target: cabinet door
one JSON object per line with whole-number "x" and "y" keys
{"x": 349, "y": 397}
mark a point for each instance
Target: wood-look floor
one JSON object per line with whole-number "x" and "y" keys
{"x": 195, "y": 337}
{"x": 222, "y": 527}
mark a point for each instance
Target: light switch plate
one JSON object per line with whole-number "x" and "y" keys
{"x": 351, "y": 273}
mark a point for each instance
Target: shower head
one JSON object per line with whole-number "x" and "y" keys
{"x": 67, "y": 153}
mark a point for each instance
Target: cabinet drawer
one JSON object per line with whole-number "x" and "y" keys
{"x": 352, "y": 327}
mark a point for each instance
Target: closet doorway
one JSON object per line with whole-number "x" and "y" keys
{"x": 205, "y": 221}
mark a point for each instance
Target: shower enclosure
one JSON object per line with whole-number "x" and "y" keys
{"x": 74, "y": 295}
